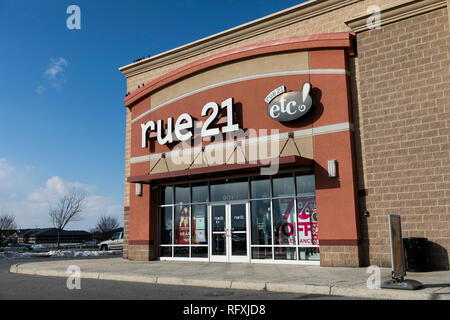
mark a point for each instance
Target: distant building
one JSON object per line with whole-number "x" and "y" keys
{"x": 50, "y": 235}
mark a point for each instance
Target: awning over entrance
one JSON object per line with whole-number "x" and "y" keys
{"x": 220, "y": 170}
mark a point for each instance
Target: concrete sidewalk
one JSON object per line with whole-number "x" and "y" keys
{"x": 346, "y": 282}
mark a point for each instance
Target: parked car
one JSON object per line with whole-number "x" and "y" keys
{"x": 115, "y": 243}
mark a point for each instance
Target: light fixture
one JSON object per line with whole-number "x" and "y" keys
{"x": 332, "y": 169}
{"x": 139, "y": 189}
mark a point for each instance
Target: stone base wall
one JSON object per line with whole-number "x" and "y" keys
{"x": 340, "y": 256}
{"x": 126, "y": 214}
{"x": 141, "y": 252}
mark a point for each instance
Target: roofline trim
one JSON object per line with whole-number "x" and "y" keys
{"x": 330, "y": 40}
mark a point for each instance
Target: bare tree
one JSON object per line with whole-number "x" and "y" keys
{"x": 105, "y": 226}
{"x": 66, "y": 209}
{"x": 7, "y": 226}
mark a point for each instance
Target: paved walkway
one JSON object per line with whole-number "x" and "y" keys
{"x": 347, "y": 282}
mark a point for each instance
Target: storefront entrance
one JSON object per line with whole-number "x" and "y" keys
{"x": 229, "y": 225}
{"x": 257, "y": 219}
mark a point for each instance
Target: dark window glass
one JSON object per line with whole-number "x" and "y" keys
{"x": 166, "y": 251}
{"x": 199, "y": 252}
{"x": 166, "y": 225}
{"x": 182, "y": 194}
{"x": 182, "y": 218}
{"x": 261, "y": 222}
{"x": 166, "y": 195}
{"x": 284, "y": 221}
{"x": 260, "y": 187}
{"x": 285, "y": 253}
{"x": 199, "y": 224}
{"x": 218, "y": 244}
{"x": 305, "y": 184}
{"x": 238, "y": 217}
{"x": 218, "y": 218}
{"x": 311, "y": 254}
{"x": 181, "y": 252}
{"x": 283, "y": 185}
{"x": 200, "y": 192}
{"x": 262, "y": 253}
{"x": 239, "y": 244}
{"x": 224, "y": 190}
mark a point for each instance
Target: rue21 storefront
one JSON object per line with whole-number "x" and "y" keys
{"x": 229, "y": 155}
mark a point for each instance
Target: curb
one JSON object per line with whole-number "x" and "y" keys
{"x": 326, "y": 290}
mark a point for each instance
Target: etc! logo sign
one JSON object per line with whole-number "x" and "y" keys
{"x": 288, "y": 106}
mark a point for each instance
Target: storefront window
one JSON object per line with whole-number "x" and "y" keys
{"x": 200, "y": 192}
{"x": 166, "y": 252}
{"x": 199, "y": 252}
{"x": 182, "y": 193}
{"x": 260, "y": 187}
{"x": 166, "y": 195}
{"x": 261, "y": 222}
{"x": 283, "y": 253}
{"x": 283, "y": 218}
{"x": 181, "y": 252}
{"x": 182, "y": 231}
{"x": 262, "y": 253}
{"x": 224, "y": 190}
{"x": 199, "y": 224}
{"x": 305, "y": 184}
{"x": 284, "y": 221}
{"x": 166, "y": 225}
{"x": 283, "y": 185}
{"x": 311, "y": 254}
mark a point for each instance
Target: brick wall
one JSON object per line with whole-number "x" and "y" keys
{"x": 403, "y": 115}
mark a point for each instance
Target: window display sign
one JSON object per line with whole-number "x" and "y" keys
{"x": 285, "y": 227}
{"x": 182, "y": 233}
{"x": 307, "y": 222}
{"x": 199, "y": 224}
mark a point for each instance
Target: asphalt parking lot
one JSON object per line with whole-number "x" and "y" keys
{"x": 28, "y": 287}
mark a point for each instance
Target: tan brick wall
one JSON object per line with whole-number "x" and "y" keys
{"x": 126, "y": 184}
{"x": 339, "y": 256}
{"x": 126, "y": 215}
{"x": 403, "y": 113}
{"x": 140, "y": 252}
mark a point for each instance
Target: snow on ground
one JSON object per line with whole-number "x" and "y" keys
{"x": 57, "y": 253}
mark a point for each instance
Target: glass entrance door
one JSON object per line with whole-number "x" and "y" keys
{"x": 229, "y": 238}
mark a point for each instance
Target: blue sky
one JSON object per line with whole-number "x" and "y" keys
{"x": 61, "y": 95}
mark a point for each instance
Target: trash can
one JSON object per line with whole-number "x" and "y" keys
{"x": 416, "y": 254}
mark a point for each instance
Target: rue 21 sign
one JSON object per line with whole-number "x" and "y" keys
{"x": 283, "y": 106}
{"x": 184, "y": 124}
